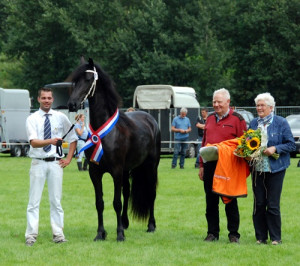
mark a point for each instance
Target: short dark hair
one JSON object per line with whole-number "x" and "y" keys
{"x": 43, "y": 89}
{"x": 204, "y": 109}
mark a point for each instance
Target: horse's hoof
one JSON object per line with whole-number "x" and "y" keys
{"x": 100, "y": 236}
{"x": 120, "y": 236}
{"x": 151, "y": 228}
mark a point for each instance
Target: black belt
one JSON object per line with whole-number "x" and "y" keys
{"x": 49, "y": 159}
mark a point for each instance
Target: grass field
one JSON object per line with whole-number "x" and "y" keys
{"x": 180, "y": 218}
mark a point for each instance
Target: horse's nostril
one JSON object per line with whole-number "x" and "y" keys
{"x": 72, "y": 107}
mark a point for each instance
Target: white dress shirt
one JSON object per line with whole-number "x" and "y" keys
{"x": 60, "y": 125}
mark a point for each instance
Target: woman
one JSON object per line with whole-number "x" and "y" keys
{"x": 82, "y": 134}
{"x": 268, "y": 174}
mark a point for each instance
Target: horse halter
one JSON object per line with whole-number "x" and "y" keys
{"x": 93, "y": 86}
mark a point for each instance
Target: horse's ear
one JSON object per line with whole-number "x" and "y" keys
{"x": 91, "y": 62}
{"x": 82, "y": 60}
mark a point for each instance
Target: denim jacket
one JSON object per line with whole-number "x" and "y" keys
{"x": 280, "y": 136}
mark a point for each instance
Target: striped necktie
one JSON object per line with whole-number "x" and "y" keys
{"x": 47, "y": 132}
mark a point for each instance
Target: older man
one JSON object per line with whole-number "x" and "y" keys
{"x": 181, "y": 126}
{"x": 221, "y": 125}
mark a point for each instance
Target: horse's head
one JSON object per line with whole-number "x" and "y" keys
{"x": 84, "y": 80}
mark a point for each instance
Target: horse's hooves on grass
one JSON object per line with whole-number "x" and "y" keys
{"x": 120, "y": 239}
{"x": 120, "y": 236}
{"x": 100, "y": 236}
{"x": 151, "y": 228}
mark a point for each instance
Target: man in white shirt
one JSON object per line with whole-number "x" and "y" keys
{"x": 47, "y": 164}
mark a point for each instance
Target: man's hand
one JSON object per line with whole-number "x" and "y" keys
{"x": 201, "y": 173}
{"x": 64, "y": 162}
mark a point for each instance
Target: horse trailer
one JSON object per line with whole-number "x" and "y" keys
{"x": 164, "y": 102}
{"x": 14, "y": 109}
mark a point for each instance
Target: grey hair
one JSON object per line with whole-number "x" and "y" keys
{"x": 183, "y": 110}
{"x": 224, "y": 92}
{"x": 266, "y": 97}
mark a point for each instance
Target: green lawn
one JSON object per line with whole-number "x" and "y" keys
{"x": 180, "y": 218}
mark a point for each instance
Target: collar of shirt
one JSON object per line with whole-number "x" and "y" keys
{"x": 42, "y": 113}
{"x": 223, "y": 116}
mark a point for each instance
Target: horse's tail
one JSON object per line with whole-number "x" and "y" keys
{"x": 144, "y": 183}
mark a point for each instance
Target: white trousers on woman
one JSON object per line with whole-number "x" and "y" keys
{"x": 41, "y": 171}
{"x": 80, "y": 144}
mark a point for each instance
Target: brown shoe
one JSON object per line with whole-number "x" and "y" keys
{"x": 211, "y": 238}
{"x": 276, "y": 242}
{"x": 234, "y": 239}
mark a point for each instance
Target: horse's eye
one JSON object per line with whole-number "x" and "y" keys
{"x": 89, "y": 76}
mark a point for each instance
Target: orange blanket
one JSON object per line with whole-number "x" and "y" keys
{"x": 230, "y": 178}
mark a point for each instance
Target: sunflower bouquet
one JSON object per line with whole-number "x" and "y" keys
{"x": 249, "y": 145}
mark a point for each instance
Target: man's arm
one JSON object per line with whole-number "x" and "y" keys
{"x": 179, "y": 130}
{"x": 65, "y": 162}
{"x": 39, "y": 143}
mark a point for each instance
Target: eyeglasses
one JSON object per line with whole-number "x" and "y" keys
{"x": 261, "y": 106}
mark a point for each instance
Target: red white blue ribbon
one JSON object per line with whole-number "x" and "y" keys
{"x": 96, "y": 136}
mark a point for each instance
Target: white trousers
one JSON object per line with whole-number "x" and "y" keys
{"x": 41, "y": 171}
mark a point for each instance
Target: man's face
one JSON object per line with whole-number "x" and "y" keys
{"x": 220, "y": 104}
{"x": 45, "y": 100}
{"x": 183, "y": 114}
{"x": 203, "y": 113}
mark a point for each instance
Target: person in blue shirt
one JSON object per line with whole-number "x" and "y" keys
{"x": 181, "y": 126}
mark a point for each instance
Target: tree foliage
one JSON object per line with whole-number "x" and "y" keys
{"x": 247, "y": 47}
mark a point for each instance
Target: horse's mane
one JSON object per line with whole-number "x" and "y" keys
{"x": 104, "y": 83}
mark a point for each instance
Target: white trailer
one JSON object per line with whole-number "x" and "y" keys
{"x": 14, "y": 109}
{"x": 164, "y": 102}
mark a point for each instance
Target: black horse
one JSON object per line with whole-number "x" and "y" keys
{"x": 131, "y": 148}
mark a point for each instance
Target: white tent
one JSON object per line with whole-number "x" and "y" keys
{"x": 164, "y": 97}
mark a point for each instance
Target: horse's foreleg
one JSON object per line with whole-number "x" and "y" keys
{"x": 126, "y": 193}
{"x": 97, "y": 182}
{"x": 101, "y": 233}
{"x": 118, "y": 209}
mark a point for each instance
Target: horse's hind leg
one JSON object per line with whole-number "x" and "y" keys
{"x": 97, "y": 182}
{"x": 143, "y": 192}
{"x": 126, "y": 193}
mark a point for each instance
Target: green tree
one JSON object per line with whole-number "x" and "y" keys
{"x": 50, "y": 36}
{"x": 266, "y": 50}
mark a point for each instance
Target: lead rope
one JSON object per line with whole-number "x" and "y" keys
{"x": 59, "y": 150}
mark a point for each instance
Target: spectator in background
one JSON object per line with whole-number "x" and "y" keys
{"x": 181, "y": 126}
{"x": 223, "y": 124}
{"x": 200, "y": 124}
{"x": 130, "y": 109}
{"x": 82, "y": 134}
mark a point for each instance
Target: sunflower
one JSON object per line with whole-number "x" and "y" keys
{"x": 249, "y": 145}
{"x": 253, "y": 143}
